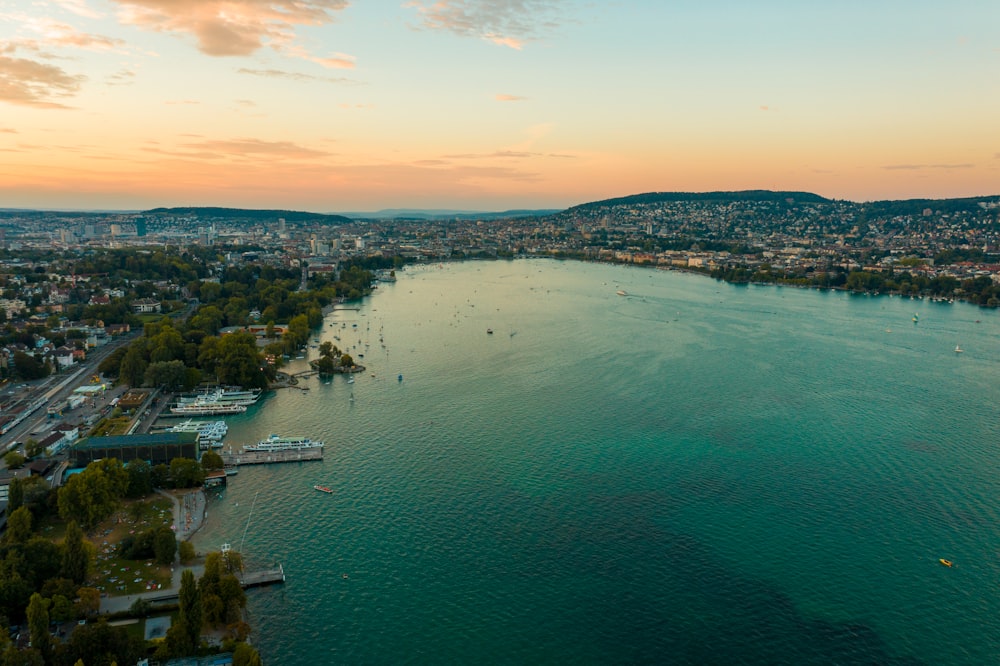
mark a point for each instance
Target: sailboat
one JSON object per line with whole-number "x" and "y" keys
{"x": 958, "y": 349}
{"x": 916, "y": 317}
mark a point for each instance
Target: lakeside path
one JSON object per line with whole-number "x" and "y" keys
{"x": 189, "y": 514}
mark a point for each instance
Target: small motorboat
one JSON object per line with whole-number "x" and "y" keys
{"x": 945, "y": 562}
{"x": 489, "y": 331}
{"x": 323, "y": 489}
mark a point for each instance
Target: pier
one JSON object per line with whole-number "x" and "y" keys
{"x": 248, "y": 579}
{"x": 237, "y": 458}
{"x": 263, "y": 577}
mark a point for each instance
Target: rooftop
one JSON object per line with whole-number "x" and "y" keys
{"x": 119, "y": 441}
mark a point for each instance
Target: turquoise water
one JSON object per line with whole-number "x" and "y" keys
{"x": 694, "y": 473}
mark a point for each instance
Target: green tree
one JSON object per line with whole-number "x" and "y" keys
{"x": 326, "y": 365}
{"x": 132, "y": 370}
{"x": 15, "y": 495}
{"x": 62, "y": 609}
{"x": 98, "y": 643}
{"x": 140, "y": 478}
{"x": 94, "y": 494}
{"x": 187, "y": 553}
{"x": 18, "y": 526}
{"x": 211, "y": 461}
{"x": 88, "y": 601}
{"x": 160, "y": 476}
{"x": 38, "y": 624}
{"x": 33, "y": 448}
{"x": 27, "y": 366}
{"x": 14, "y": 460}
{"x": 42, "y": 560}
{"x": 245, "y": 655}
{"x": 233, "y": 598}
{"x": 209, "y": 586}
{"x": 186, "y": 473}
{"x": 167, "y": 346}
{"x": 165, "y": 545}
{"x": 141, "y": 607}
{"x": 14, "y": 657}
{"x": 190, "y": 607}
{"x": 208, "y": 319}
{"x": 75, "y": 554}
{"x": 239, "y": 361}
{"x": 171, "y": 375}
{"x": 111, "y": 364}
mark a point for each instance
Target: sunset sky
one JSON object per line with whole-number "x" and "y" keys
{"x": 360, "y": 105}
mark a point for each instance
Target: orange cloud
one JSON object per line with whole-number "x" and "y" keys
{"x": 238, "y": 27}
{"x": 509, "y": 23}
{"x": 78, "y": 7}
{"x": 915, "y": 167}
{"x": 124, "y": 77}
{"x": 509, "y": 98}
{"x": 216, "y": 149}
{"x": 52, "y": 33}
{"x": 30, "y": 83}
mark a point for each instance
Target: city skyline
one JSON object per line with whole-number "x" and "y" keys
{"x": 331, "y": 106}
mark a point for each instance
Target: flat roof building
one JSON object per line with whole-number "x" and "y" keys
{"x": 156, "y": 449}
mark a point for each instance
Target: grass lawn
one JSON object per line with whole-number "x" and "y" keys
{"x": 109, "y": 426}
{"x": 114, "y": 575}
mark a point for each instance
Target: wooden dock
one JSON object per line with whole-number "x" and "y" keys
{"x": 263, "y": 577}
{"x": 240, "y": 457}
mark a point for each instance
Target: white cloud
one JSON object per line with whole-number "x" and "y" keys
{"x": 239, "y": 27}
{"x": 510, "y": 23}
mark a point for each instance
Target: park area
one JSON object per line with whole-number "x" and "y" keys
{"x": 115, "y": 574}
{"x": 120, "y": 540}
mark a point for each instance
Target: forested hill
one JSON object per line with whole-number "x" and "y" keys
{"x": 865, "y": 210}
{"x": 918, "y": 206}
{"x": 707, "y": 197}
{"x": 291, "y": 216}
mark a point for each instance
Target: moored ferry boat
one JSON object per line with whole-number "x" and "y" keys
{"x": 210, "y": 432}
{"x": 277, "y": 443}
{"x": 207, "y": 409}
{"x": 217, "y": 401}
{"x": 223, "y": 396}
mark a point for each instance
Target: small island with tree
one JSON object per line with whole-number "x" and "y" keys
{"x": 332, "y": 361}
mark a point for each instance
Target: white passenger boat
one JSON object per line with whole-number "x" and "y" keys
{"x": 277, "y": 443}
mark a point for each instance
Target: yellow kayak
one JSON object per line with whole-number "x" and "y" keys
{"x": 945, "y": 562}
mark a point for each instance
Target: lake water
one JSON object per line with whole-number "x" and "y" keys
{"x": 693, "y": 473}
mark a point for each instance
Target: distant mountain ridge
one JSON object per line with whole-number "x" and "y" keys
{"x": 293, "y": 216}
{"x": 781, "y": 198}
{"x": 439, "y": 214}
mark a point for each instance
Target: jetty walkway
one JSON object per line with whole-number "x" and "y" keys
{"x": 236, "y": 458}
{"x": 248, "y": 579}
